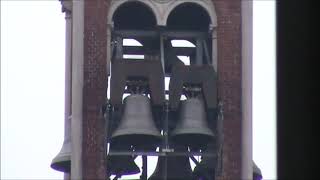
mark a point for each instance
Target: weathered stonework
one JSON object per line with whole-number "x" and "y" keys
{"x": 229, "y": 83}
{"x": 94, "y": 89}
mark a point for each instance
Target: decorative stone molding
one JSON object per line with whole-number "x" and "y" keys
{"x": 161, "y": 1}
{"x": 162, "y": 8}
{"x": 66, "y": 6}
{"x": 115, "y": 4}
{"x": 205, "y": 4}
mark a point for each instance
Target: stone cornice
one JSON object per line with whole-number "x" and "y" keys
{"x": 66, "y": 6}
{"x": 163, "y": 8}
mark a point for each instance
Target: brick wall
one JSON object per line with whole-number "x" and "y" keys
{"x": 94, "y": 91}
{"x": 229, "y": 83}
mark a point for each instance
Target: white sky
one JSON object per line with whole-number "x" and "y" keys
{"x": 32, "y": 88}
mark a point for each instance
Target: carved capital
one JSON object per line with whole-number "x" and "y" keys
{"x": 66, "y": 6}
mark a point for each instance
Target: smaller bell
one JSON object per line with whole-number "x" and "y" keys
{"x": 121, "y": 164}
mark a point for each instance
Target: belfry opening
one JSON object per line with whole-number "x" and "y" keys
{"x": 134, "y": 15}
{"x": 189, "y": 16}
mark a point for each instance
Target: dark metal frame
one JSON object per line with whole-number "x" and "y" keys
{"x": 198, "y": 37}
{"x": 201, "y": 47}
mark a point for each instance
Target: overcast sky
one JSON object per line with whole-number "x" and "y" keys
{"x": 32, "y": 88}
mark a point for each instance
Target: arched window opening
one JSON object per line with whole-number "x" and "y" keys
{"x": 189, "y": 16}
{"x": 191, "y": 21}
{"x": 129, "y": 41}
{"x": 134, "y": 15}
{"x": 191, "y": 24}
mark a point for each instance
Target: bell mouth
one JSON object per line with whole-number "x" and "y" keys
{"x": 194, "y": 141}
{"x": 138, "y": 141}
{"x": 63, "y": 166}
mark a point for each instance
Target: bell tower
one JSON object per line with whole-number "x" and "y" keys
{"x": 184, "y": 90}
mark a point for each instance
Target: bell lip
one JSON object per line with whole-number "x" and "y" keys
{"x": 62, "y": 166}
{"x": 132, "y": 132}
{"x": 60, "y": 162}
{"x": 135, "y": 96}
{"x": 195, "y": 135}
{"x": 194, "y": 141}
{"x": 192, "y": 131}
{"x": 137, "y": 140}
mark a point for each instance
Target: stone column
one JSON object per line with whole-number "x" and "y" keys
{"x": 77, "y": 88}
{"x": 246, "y": 151}
{"x": 214, "y": 49}
{"x": 66, "y": 8}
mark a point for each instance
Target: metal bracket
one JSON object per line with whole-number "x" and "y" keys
{"x": 219, "y": 166}
{"x": 204, "y": 76}
{"x": 123, "y": 70}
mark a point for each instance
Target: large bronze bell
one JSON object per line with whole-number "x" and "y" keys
{"x": 62, "y": 162}
{"x": 192, "y": 127}
{"x": 178, "y": 167}
{"x": 137, "y": 126}
{"x": 121, "y": 164}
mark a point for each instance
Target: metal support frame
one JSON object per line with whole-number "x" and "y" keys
{"x": 162, "y": 53}
{"x": 201, "y": 50}
{"x": 144, "y": 174}
{"x": 119, "y": 43}
{"x": 199, "y": 54}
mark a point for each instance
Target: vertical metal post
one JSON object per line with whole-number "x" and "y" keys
{"x": 199, "y": 52}
{"x": 246, "y": 83}
{"x": 144, "y": 174}
{"x": 214, "y": 54}
{"x": 220, "y": 137}
{"x": 162, "y": 52}
{"x": 77, "y": 85}
{"x": 110, "y": 48}
{"x": 206, "y": 53}
{"x": 106, "y": 114}
{"x": 119, "y": 52}
{"x": 166, "y": 125}
{"x": 166, "y": 137}
{"x": 68, "y": 78}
